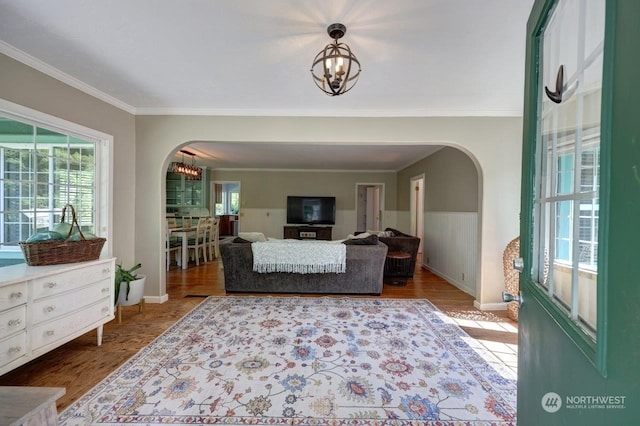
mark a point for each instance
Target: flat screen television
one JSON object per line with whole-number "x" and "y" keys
{"x": 311, "y": 210}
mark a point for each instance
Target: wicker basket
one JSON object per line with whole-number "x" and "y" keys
{"x": 56, "y": 252}
{"x": 511, "y": 276}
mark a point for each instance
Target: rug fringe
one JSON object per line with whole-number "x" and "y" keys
{"x": 328, "y": 268}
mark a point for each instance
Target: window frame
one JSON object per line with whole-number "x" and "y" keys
{"x": 103, "y": 146}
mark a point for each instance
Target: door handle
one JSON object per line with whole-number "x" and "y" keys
{"x": 508, "y": 297}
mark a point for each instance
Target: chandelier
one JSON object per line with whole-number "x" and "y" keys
{"x": 335, "y": 68}
{"x": 189, "y": 170}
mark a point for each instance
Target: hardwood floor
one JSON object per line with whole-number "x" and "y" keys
{"x": 80, "y": 364}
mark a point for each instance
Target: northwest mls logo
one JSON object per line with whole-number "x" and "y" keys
{"x": 551, "y": 402}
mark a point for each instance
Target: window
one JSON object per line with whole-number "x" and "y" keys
{"x": 587, "y": 233}
{"x": 43, "y": 168}
{"x": 226, "y": 197}
{"x": 568, "y": 162}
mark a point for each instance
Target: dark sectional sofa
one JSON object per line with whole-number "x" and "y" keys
{"x": 401, "y": 242}
{"x": 364, "y": 273}
{"x": 398, "y": 241}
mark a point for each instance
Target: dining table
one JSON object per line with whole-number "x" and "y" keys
{"x": 183, "y": 233}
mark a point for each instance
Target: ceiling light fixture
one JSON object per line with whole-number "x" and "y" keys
{"x": 189, "y": 170}
{"x": 334, "y": 68}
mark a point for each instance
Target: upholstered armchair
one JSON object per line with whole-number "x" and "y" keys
{"x": 401, "y": 242}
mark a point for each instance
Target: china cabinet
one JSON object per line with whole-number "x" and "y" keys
{"x": 183, "y": 192}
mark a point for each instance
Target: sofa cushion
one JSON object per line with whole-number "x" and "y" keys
{"x": 368, "y": 240}
{"x": 396, "y": 233}
{"x": 380, "y": 233}
{"x": 253, "y": 236}
{"x": 358, "y": 235}
{"x": 241, "y": 240}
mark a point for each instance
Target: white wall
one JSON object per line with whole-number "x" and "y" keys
{"x": 493, "y": 143}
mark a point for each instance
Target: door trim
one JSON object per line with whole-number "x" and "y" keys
{"x": 364, "y": 185}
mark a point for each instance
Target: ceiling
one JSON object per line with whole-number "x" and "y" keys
{"x": 278, "y": 156}
{"x": 252, "y": 57}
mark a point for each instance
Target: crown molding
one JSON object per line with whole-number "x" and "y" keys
{"x": 53, "y": 72}
{"x": 250, "y": 169}
{"x": 248, "y": 112}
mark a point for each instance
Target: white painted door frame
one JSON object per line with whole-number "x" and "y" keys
{"x": 361, "y": 204}
{"x": 416, "y": 191}
{"x": 212, "y": 196}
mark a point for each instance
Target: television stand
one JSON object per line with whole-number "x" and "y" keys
{"x": 307, "y": 232}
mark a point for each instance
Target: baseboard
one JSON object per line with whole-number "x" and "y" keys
{"x": 499, "y": 306}
{"x": 450, "y": 280}
{"x": 156, "y": 299}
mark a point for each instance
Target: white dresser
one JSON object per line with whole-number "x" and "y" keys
{"x": 43, "y": 307}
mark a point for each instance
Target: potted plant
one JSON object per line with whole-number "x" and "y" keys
{"x": 129, "y": 286}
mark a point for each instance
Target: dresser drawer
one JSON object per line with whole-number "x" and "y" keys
{"x": 48, "y": 308}
{"x": 13, "y": 295}
{"x": 13, "y": 320}
{"x": 13, "y": 348}
{"x": 50, "y": 332}
{"x": 70, "y": 280}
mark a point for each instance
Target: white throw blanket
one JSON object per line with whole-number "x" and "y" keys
{"x": 300, "y": 257}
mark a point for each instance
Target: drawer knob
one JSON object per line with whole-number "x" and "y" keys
{"x": 15, "y": 350}
{"x": 105, "y": 310}
{"x": 14, "y": 322}
{"x": 51, "y": 284}
{"x": 105, "y": 290}
{"x": 50, "y": 308}
{"x": 50, "y": 332}
{"x": 106, "y": 270}
{"x": 16, "y": 295}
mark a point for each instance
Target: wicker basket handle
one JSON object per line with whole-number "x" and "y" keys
{"x": 74, "y": 221}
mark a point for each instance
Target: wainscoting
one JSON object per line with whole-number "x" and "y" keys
{"x": 450, "y": 247}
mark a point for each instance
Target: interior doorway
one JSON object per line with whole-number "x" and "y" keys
{"x": 225, "y": 204}
{"x": 417, "y": 208}
{"x": 369, "y": 202}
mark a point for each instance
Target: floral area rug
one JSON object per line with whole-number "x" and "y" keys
{"x": 305, "y": 361}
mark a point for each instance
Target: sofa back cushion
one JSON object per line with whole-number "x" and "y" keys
{"x": 368, "y": 240}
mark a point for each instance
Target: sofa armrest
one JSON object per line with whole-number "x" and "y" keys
{"x": 405, "y": 243}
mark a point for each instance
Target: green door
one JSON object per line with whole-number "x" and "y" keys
{"x": 579, "y": 337}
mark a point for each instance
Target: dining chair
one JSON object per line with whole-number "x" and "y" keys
{"x": 172, "y": 244}
{"x": 172, "y": 222}
{"x": 214, "y": 238}
{"x": 198, "y": 242}
{"x": 188, "y": 222}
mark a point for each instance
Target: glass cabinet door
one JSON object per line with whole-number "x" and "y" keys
{"x": 193, "y": 193}
{"x": 182, "y": 192}
{"x": 175, "y": 191}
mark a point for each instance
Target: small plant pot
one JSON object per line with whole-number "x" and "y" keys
{"x": 135, "y": 293}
